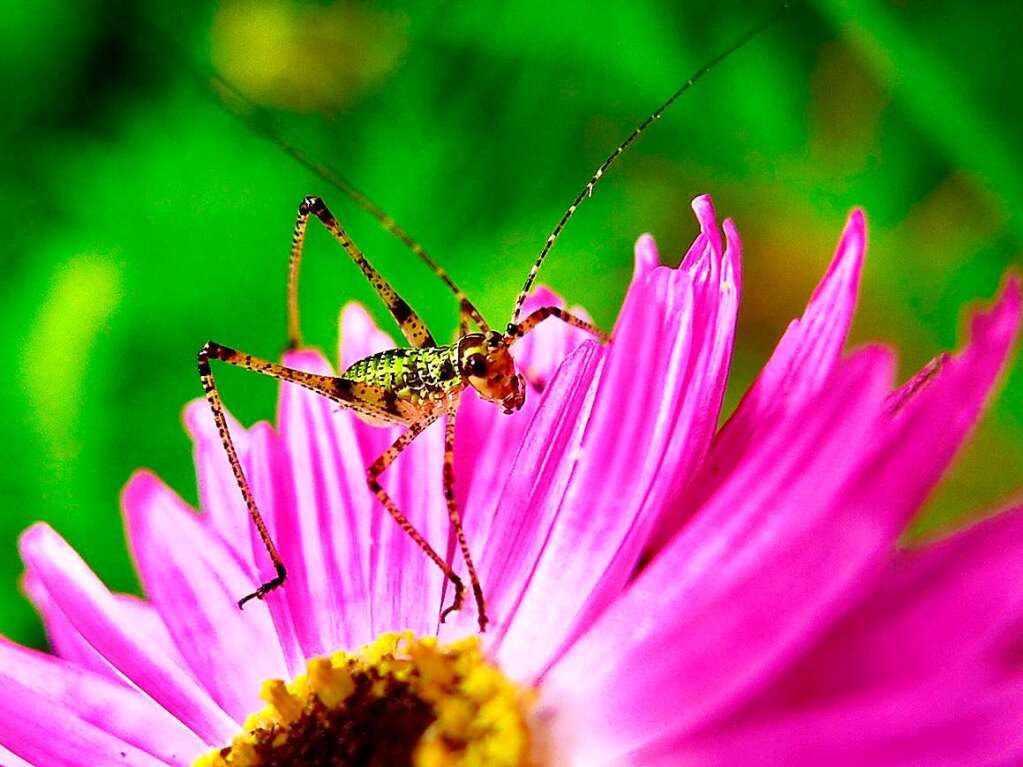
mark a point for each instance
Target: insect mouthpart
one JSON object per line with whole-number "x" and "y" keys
{"x": 517, "y": 398}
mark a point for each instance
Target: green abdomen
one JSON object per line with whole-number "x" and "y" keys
{"x": 425, "y": 371}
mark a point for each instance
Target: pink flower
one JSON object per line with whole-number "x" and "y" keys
{"x": 674, "y": 595}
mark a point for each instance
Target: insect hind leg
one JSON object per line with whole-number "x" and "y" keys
{"x": 209, "y": 385}
{"x": 363, "y": 398}
{"x": 411, "y": 325}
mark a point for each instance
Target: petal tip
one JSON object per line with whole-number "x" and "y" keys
{"x": 35, "y": 539}
{"x": 703, "y": 207}
{"x": 858, "y": 219}
{"x": 541, "y": 296}
{"x": 353, "y": 311}
{"x": 262, "y": 430}
{"x": 196, "y": 417}
{"x": 307, "y": 360}
{"x": 1002, "y": 320}
{"x": 733, "y": 250}
{"x": 853, "y": 242}
{"x": 1012, "y": 290}
{"x": 839, "y": 287}
{"x": 646, "y": 255}
{"x": 140, "y": 485}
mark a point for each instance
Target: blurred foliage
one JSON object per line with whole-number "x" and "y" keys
{"x": 141, "y": 219}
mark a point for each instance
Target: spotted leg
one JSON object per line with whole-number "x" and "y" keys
{"x": 366, "y": 399}
{"x": 535, "y": 317}
{"x": 411, "y": 325}
{"x": 372, "y": 479}
{"x": 465, "y": 317}
{"x": 209, "y": 386}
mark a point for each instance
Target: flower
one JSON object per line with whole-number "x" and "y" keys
{"x": 661, "y": 593}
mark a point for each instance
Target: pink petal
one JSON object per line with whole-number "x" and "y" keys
{"x": 484, "y": 445}
{"x": 323, "y": 534}
{"x": 486, "y": 439}
{"x": 927, "y": 726}
{"x": 810, "y": 348}
{"x": 219, "y": 498}
{"x": 898, "y": 398}
{"x": 406, "y": 586}
{"x": 673, "y": 636}
{"x": 29, "y": 731}
{"x": 63, "y": 638}
{"x": 402, "y": 587}
{"x": 72, "y": 646}
{"x": 148, "y": 624}
{"x": 529, "y": 504}
{"x": 803, "y": 360}
{"x": 71, "y": 694}
{"x": 266, "y": 466}
{"x": 225, "y": 511}
{"x": 540, "y": 353}
{"x": 645, "y": 256}
{"x": 963, "y": 590}
{"x": 10, "y": 759}
{"x": 714, "y": 322}
{"x": 767, "y": 565}
{"x": 965, "y": 381}
{"x": 486, "y": 442}
{"x": 653, "y": 417}
{"x": 194, "y": 581}
{"x": 102, "y": 621}
{"x": 359, "y": 335}
{"x": 651, "y": 344}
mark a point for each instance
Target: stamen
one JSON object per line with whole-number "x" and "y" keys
{"x": 399, "y": 702}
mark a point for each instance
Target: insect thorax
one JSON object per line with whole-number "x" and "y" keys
{"x": 410, "y": 372}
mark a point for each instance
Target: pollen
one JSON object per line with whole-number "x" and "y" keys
{"x": 402, "y": 701}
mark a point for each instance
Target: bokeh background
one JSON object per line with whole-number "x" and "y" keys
{"x": 142, "y": 219}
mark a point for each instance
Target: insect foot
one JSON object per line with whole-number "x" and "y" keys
{"x": 266, "y": 588}
{"x": 456, "y": 605}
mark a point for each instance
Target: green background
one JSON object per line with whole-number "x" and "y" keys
{"x": 141, "y": 219}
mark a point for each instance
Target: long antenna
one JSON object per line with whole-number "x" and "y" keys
{"x": 254, "y": 117}
{"x": 587, "y": 190}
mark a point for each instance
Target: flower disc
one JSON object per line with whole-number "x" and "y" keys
{"x": 399, "y": 701}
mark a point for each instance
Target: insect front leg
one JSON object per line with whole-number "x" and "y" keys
{"x": 372, "y": 479}
{"x": 535, "y": 317}
{"x": 453, "y": 515}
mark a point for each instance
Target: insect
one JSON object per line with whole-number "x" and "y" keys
{"x": 411, "y": 386}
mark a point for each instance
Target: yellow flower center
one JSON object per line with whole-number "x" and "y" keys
{"x": 399, "y": 702}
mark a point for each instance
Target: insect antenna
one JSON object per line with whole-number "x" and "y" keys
{"x": 256, "y": 118}
{"x": 587, "y": 190}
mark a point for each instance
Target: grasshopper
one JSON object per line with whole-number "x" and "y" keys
{"x": 412, "y": 386}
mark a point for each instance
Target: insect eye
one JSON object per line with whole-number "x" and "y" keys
{"x": 476, "y": 365}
